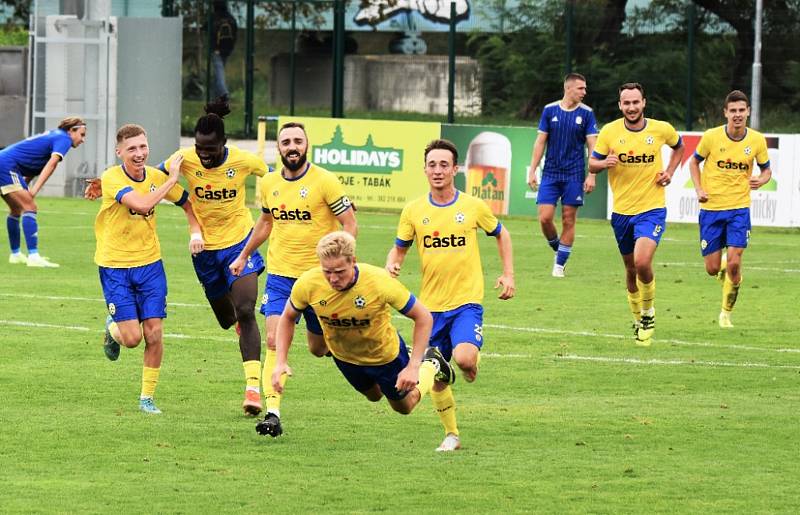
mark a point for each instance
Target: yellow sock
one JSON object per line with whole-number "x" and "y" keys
{"x": 272, "y": 397}
{"x": 427, "y": 372}
{"x": 635, "y": 303}
{"x": 648, "y": 294}
{"x": 149, "y": 381}
{"x": 730, "y": 292}
{"x": 252, "y": 374}
{"x": 445, "y": 405}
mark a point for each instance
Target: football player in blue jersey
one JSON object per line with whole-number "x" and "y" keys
{"x": 36, "y": 156}
{"x": 566, "y": 126}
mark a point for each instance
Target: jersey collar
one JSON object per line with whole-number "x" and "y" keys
{"x": 355, "y": 280}
{"x": 433, "y": 202}
{"x": 308, "y": 167}
{"x": 144, "y": 175}
{"x": 634, "y": 130}
{"x": 725, "y": 128}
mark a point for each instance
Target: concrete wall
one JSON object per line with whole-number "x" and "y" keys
{"x": 380, "y": 83}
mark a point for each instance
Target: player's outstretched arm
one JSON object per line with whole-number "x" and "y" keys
{"x": 589, "y": 183}
{"x": 47, "y": 171}
{"x": 196, "y": 242}
{"x": 283, "y": 340}
{"x": 694, "y": 171}
{"x": 261, "y": 232}
{"x": 423, "y": 323}
{"x": 394, "y": 261}
{"x": 506, "y": 281}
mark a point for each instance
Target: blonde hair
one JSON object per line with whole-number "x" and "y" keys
{"x": 336, "y": 244}
{"x": 71, "y": 123}
{"x": 130, "y": 130}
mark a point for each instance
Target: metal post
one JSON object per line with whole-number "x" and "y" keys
{"x": 755, "y": 94}
{"x": 209, "y": 40}
{"x": 249, "y": 67}
{"x": 168, "y": 8}
{"x": 292, "y": 63}
{"x": 568, "y": 15}
{"x": 338, "y": 59}
{"x": 690, "y": 50}
{"x": 451, "y": 58}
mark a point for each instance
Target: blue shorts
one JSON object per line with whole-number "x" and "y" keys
{"x": 211, "y": 267}
{"x": 550, "y": 191}
{"x": 136, "y": 293}
{"x": 461, "y": 325}
{"x": 363, "y": 377}
{"x": 277, "y": 292}
{"x": 727, "y": 228}
{"x": 10, "y": 179}
{"x": 629, "y": 228}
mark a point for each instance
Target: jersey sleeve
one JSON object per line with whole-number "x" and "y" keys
{"x": 405, "y": 230}
{"x": 544, "y": 122}
{"x": 703, "y": 147}
{"x": 591, "y": 125}
{"x": 164, "y": 165}
{"x": 398, "y": 295}
{"x": 256, "y": 165}
{"x": 113, "y": 185}
{"x": 762, "y": 153}
{"x": 263, "y": 194}
{"x": 601, "y": 148}
{"x": 61, "y": 145}
{"x": 177, "y": 195}
{"x": 301, "y": 292}
{"x": 486, "y": 219}
{"x": 334, "y": 195}
{"x": 671, "y": 136}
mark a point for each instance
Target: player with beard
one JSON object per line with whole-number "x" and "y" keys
{"x": 216, "y": 174}
{"x": 299, "y": 205}
{"x": 630, "y": 149}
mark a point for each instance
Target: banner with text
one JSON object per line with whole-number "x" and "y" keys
{"x": 379, "y": 163}
{"x": 776, "y": 204}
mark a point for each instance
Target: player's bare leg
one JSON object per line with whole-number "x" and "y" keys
{"x": 243, "y": 294}
{"x": 467, "y": 356}
{"x": 224, "y": 311}
{"x": 547, "y": 213}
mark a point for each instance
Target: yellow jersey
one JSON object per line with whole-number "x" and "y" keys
{"x": 633, "y": 179}
{"x": 126, "y": 239}
{"x": 303, "y": 210}
{"x": 218, "y": 194}
{"x": 728, "y": 166}
{"x": 356, "y": 323}
{"x": 447, "y": 241}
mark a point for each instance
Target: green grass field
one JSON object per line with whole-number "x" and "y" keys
{"x": 567, "y": 415}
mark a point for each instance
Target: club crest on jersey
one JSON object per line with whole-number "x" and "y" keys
{"x": 303, "y": 192}
{"x": 360, "y": 302}
{"x": 112, "y": 309}
{"x": 460, "y": 217}
{"x": 578, "y": 120}
{"x": 649, "y": 140}
{"x": 747, "y": 151}
{"x": 346, "y": 201}
{"x": 230, "y": 172}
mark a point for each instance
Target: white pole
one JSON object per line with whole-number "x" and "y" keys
{"x": 755, "y": 100}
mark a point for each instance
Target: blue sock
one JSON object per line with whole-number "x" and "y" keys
{"x": 31, "y": 229}
{"x": 563, "y": 254}
{"x": 553, "y": 243}
{"x": 12, "y": 223}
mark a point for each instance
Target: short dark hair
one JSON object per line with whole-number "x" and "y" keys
{"x": 632, "y": 85}
{"x": 444, "y": 145}
{"x": 293, "y": 125}
{"x": 736, "y": 96}
{"x": 574, "y": 76}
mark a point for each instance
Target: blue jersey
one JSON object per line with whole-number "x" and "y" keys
{"x": 566, "y": 136}
{"x": 28, "y": 157}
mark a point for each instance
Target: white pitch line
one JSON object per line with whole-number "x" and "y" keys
{"x": 522, "y": 329}
{"x": 748, "y": 267}
{"x": 635, "y": 361}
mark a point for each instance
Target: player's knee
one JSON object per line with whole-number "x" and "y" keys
{"x": 246, "y": 311}
{"x": 712, "y": 269}
{"x": 153, "y": 336}
{"x": 270, "y": 338}
{"x": 403, "y": 409}
{"x": 130, "y": 339}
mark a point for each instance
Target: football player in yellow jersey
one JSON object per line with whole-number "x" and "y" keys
{"x": 630, "y": 148}
{"x": 216, "y": 174}
{"x": 129, "y": 255}
{"x": 444, "y": 224}
{"x": 299, "y": 205}
{"x": 723, "y": 190}
{"x": 352, "y": 301}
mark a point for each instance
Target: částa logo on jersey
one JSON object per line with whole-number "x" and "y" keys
{"x": 437, "y": 241}
{"x": 344, "y": 323}
{"x": 210, "y": 193}
{"x": 632, "y": 158}
{"x": 281, "y": 213}
{"x": 733, "y": 165}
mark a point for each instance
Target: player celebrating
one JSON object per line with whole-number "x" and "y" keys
{"x": 565, "y": 127}
{"x": 36, "y": 156}
{"x": 300, "y": 205}
{"x": 630, "y": 148}
{"x": 444, "y": 225}
{"x": 129, "y": 255}
{"x": 723, "y": 190}
{"x": 216, "y": 174}
{"x": 352, "y": 300}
